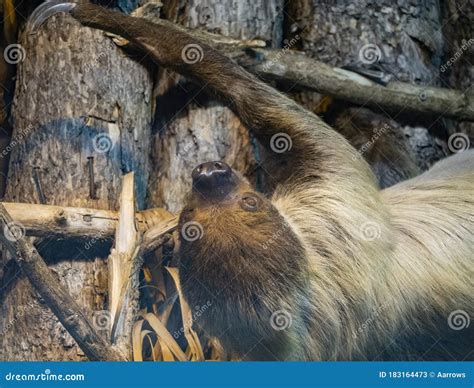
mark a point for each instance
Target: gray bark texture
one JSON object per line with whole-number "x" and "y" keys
{"x": 191, "y": 127}
{"x": 82, "y": 105}
{"x": 56, "y": 296}
{"x": 457, "y": 68}
{"x": 403, "y": 39}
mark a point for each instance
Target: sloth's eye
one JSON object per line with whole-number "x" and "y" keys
{"x": 249, "y": 202}
{"x": 186, "y": 213}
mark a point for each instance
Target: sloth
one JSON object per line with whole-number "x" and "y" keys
{"x": 329, "y": 267}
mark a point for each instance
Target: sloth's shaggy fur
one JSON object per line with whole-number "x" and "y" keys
{"x": 360, "y": 273}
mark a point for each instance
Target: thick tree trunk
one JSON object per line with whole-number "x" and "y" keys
{"x": 457, "y": 69}
{"x": 85, "y": 108}
{"x": 191, "y": 127}
{"x": 404, "y": 40}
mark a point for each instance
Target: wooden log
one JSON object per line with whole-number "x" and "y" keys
{"x": 304, "y": 72}
{"x": 63, "y": 221}
{"x": 330, "y": 36}
{"x": 55, "y": 295}
{"x": 75, "y": 222}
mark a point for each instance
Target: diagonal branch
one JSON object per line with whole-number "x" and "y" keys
{"x": 296, "y": 68}
{"x": 69, "y": 313}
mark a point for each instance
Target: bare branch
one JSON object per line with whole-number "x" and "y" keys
{"x": 298, "y": 69}
{"x": 75, "y": 222}
{"x": 154, "y": 237}
{"x": 124, "y": 264}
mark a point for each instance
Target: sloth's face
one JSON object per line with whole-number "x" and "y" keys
{"x": 225, "y": 217}
{"x": 223, "y": 206}
{"x": 236, "y": 250}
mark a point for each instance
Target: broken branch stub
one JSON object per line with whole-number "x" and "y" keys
{"x": 124, "y": 264}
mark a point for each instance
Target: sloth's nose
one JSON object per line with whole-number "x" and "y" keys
{"x": 213, "y": 179}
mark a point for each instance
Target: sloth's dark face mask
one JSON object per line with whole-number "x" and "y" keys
{"x": 226, "y": 216}
{"x": 222, "y": 201}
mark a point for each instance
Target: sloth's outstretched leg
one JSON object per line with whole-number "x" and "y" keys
{"x": 295, "y": 135}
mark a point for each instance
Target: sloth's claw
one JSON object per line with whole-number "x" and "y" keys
{"x": 45, "y": 11}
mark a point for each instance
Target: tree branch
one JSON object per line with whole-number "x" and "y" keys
{"x": 124, "y": 266}
{"x": 75, "y": 222}
{"x": 65, "y": 308}
{"x": 298, "y": 69}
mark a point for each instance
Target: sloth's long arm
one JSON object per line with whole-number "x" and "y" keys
{"x": 276, "y": 120}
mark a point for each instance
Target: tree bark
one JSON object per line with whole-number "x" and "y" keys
{"x": 457, "y": 69}
{"x": 191, "y": 127}
{"x": 403, "y": 39}
{"x": 86, "y": 109}
{"x": 56, "y": 296}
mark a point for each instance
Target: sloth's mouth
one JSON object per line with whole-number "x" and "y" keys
{"x": 213, "y": 181}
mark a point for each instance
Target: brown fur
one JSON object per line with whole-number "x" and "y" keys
{"x": 308, "y": 250}
{"x": 380, "y": 141}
